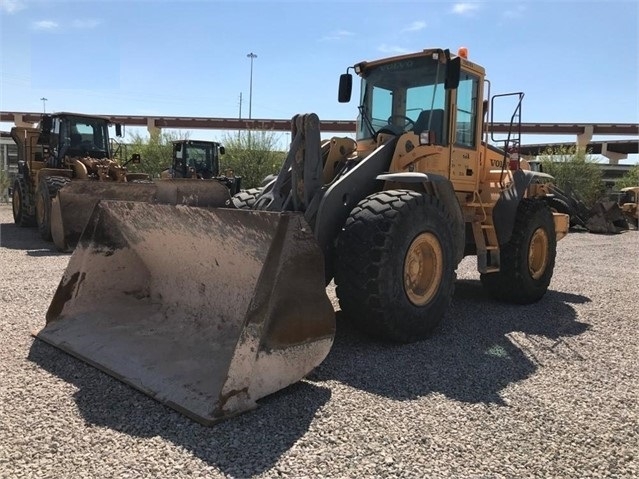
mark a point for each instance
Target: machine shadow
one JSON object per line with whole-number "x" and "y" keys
{"x": 470, "y": 358}
{"x": 282, "y": 418}
{"x": 27, "y": 239}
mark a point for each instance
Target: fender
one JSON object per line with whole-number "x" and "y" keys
{"x": 442, "y": 188}
{"x": 505, "y": 210}
{"x": 334, "y": 202}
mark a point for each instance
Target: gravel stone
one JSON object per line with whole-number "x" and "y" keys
{"x": 500, "y": 391}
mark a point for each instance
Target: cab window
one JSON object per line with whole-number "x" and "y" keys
{"x": 467, "y": 111}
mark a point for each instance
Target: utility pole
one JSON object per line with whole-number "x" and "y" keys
{"x": 252, "y": 56}
{"x": 44, "y": 104}
{"x": 239, "y": 132}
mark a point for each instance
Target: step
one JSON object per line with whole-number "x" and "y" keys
{"x": 490, "y": 269}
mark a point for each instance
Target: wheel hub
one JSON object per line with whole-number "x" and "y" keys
{"x": 423, "y": 269}
{"x": 538, "y": 253}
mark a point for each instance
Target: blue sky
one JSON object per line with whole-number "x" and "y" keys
{"x": 576, "y": 61}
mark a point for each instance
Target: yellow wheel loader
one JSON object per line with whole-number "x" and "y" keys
{"x": 67, "y": 164}
{"x": 629, "y": 204}
{"x": 240, "y": 309}
{"x": 64, "y": 147}
{"x": 200, "y": 159}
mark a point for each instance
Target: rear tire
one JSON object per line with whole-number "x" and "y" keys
{"x": 395, "y": 268}
{"x": 244, "y": 200}
{"x": 49, "y": 187}
{"x": 21, "y": 216}
{"x": 528, "y": 259}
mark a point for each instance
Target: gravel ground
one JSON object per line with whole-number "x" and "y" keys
{"x": 547, "y": 390}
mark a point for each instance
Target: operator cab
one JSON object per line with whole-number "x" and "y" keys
{"x": 431, "y": 100}
{"x": 410, "y": 93}
{"x": 74, "y": 135}
{"x": 200, "y": 159}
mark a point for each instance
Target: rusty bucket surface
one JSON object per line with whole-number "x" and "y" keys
{"x": 74, "y": 203}
{"x": 206, "y": 310}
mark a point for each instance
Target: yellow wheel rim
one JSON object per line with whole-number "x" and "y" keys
{"x": 16, "y": 202}
{"x": 423, "y": 269}
{"x": 538, "y": 253}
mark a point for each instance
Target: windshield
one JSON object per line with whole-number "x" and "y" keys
{"x": 405, "y": 94}
{"x": 87, "y": 136}
{"x": 202, "y": 157}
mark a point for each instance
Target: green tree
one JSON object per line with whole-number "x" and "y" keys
{"x": 574, "y": 168}
{"x": 631, "y": 178}
{"x": 156, "y": 151}
{"x": 252, "y": 155}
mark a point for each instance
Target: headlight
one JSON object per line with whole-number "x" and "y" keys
{"x": 427, "y": 137}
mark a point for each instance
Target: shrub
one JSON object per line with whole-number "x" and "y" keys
{"x": 572, "y": 167}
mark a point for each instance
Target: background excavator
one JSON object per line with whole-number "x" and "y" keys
{"x": 242, "y": 310}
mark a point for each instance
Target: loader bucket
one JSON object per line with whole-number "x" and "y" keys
{"x": 605, "y": 218}
{"x": 72, "y": 206}
{"x": 206, "y": 310}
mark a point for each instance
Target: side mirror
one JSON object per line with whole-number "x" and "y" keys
{"x": 222, "y": 150}
{"x": 118, "y": 130}
{"x": 345, "y": 88}
{"x": 453, "y": 73}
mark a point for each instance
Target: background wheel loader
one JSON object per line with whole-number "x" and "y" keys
{"x": 242, "y": 310}
{"x": 64, "y": 147}
{"x": 67, "y": 164}
{"x": 604, "y": 217}
{"x": 199, "y": 159}
{"x": 629, "y": 203}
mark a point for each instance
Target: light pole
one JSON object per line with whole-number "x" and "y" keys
{"x": 252, "y": 56}
{"x": 44, "y": 104}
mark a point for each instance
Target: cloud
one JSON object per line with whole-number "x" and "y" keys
{"x": 85, "y": 23}
{"x": 415, "y": 26}
{"x": 78, "y": 24}
{"x": 464, "y": 8}
{"x": 337, "y": 35}
{"x": 384, "y": 48}
{"x": 47, "y": 25}
{"x": 12, "y": 6}
{"x": 516, "y": 12}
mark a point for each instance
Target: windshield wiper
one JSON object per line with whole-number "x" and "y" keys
{"x": 367, "y": 120}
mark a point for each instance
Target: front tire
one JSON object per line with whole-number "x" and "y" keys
{"x": 244, "y": 200}
{"x": 395, "y": 268}
{"x": 527, "y": 261}
{"x": 49, "y": 187}
{"x": 21, "y": 216}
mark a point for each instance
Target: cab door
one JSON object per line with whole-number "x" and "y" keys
{"x": 464, "y": 165}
